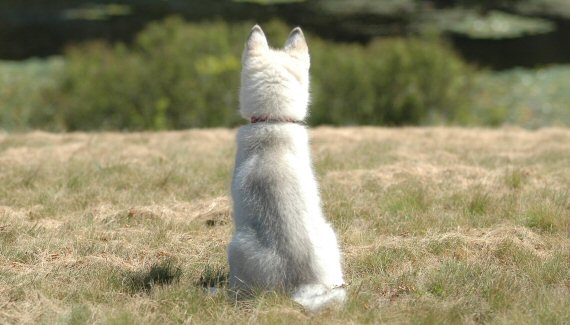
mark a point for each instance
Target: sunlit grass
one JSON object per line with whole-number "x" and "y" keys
{"x": 437, "y": 225}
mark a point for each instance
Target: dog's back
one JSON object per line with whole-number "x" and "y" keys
{"x": 281, "y": 238}
{"x": 270, "y": 245}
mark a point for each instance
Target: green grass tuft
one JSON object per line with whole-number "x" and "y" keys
{"x": 543, "y": 218}
{"x": 479, "y": 203}
{"x": 515, "y": 179}
{"x": 213, "y": 277}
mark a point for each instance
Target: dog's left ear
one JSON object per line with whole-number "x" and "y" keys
{"x": 296, "y": 45}
{"x": 256, "y": 40}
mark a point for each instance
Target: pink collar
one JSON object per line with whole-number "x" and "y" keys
{"x": 258, "y": 119}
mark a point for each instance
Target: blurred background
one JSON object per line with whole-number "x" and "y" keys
{"x": 69, "y": 65}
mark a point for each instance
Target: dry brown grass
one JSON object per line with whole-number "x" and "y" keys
{"x": 437, "y": 225}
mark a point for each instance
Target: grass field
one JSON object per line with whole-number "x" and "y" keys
{"x": 437, "y": 226}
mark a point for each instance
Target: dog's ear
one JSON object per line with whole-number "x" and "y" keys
{"x": 256, "y": 40}
{"x": 296, "y": 44}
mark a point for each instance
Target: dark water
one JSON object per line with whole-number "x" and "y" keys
{"x": 527, "y": 51}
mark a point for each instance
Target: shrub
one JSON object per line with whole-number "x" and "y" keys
{"x": 389, "y": 82}
{"x": 179, "y": 75}
{"x": 174, "y": 76}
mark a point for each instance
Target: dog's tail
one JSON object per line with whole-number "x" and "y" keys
{"x": 316, "y": 296}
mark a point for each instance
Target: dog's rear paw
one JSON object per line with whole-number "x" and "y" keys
{"x": 316, "y": 297}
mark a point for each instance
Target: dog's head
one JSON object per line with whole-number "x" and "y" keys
{"x": 275, "y": 82}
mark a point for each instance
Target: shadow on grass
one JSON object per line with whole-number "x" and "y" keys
{"x": 160, "y": 273}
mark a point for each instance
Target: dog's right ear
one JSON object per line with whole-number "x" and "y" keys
{"x": 256, "y": 40}
{"x": 296, "y": 45}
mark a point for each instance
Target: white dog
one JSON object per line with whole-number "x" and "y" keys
{"x": 282, "y": 240}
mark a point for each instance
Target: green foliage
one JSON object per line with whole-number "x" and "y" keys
{"x": 175, "y": 76}
{"x": 389, "y": 82}
{"x": 179, "y": 75}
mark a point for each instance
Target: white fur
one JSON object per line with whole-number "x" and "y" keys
{"x": 281, "y": 240}
{"x": 274, "y": 83}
